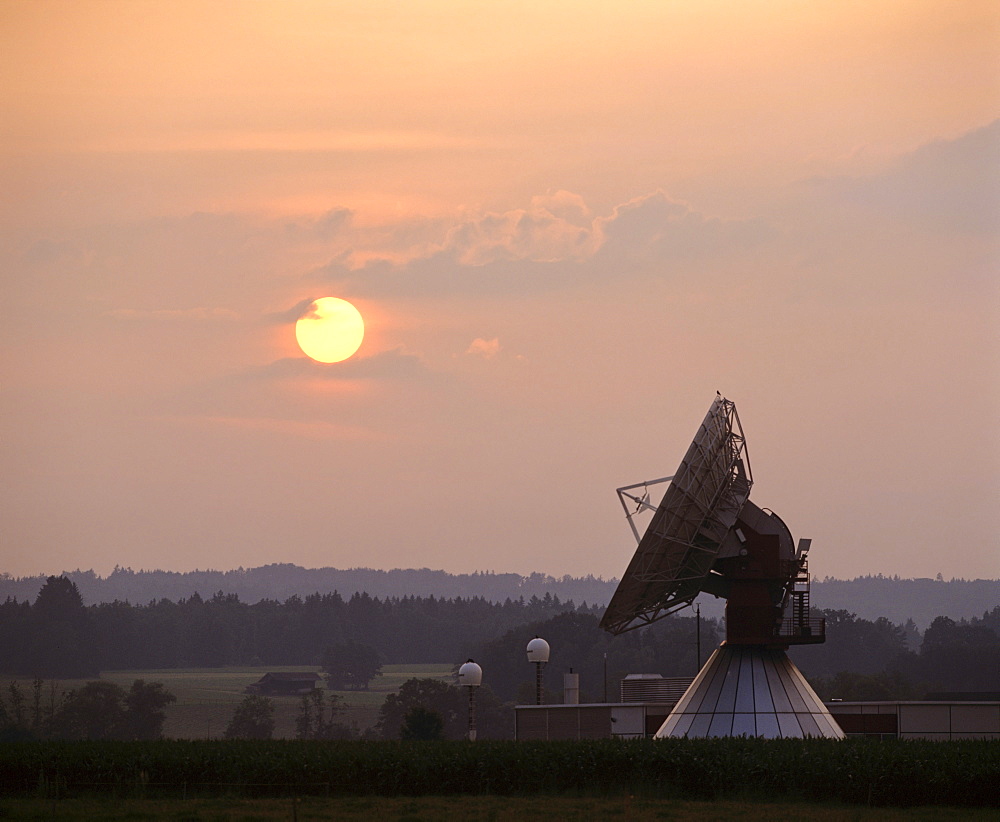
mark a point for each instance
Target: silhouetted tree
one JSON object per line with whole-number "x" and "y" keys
{"x": 852, "y": 644}
{"x": 422, "y": 723}
{"x": 990, "y": 619}
{"x": 44, "y": 704}
{"x": 61, "y": 642}
{"x": 350, "y": 665}
{"x": 854, "y": 687}
{"x": 58, "y": 600}
{"x": 430, "y": 694}
{"x": 13, "y": 716}
{"x": 144, "y": 714}
{"x": 960, "y": 656}
{"x": 94, "y": 711}
{"x": 252, "y": 719}
{"x": 313, "y": 722}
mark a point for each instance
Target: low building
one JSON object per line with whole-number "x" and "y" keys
{"x": 647, "y": 700}
{"x": 590, "y": 721}
{"x": 285, "y": 684}
{"x": 928, "y": 719}
{"x": 884, "y": 720}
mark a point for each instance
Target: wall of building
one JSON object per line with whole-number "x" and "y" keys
{"x": 589, "y": 721}
{"x": 903, "y": 720}
{"x": 919, "y": 720}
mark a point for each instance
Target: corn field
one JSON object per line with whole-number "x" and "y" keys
{"x": 887, "y": 773}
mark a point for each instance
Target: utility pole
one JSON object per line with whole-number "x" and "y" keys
{"x": 697, "y": 633}
{"x": 605, "y": 677}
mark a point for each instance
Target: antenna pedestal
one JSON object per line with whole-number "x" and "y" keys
{"x": 763, "y": 575}
{"x": 707, "y": 536}
{"x": 750, "y": 690}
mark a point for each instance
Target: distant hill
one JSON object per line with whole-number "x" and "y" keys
{"x": 898, "y": 600}
{"x": 869, "y": 597}
{"x": 281, "y": 581}
{"x": 901, "y": 599}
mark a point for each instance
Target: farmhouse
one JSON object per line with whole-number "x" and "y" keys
{"x": 285, "y": 684}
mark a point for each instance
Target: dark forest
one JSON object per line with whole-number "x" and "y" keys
{"x": 870, "y": 597}
{"x": 58, "y": 636}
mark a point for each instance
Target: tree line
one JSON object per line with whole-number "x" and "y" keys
{"x": 58, "y": 636}
{"x": 279, "y": 581}
{"x": 97, "y": 710}
{"x": 869, "y": 597}
{"x": 421, "y": 709}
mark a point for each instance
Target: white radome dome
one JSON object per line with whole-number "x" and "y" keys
{"x": 538, "y": 650}
{"x": 470, "y": 674}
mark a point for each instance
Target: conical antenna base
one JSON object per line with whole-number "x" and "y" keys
{"x": 750, "y": 690}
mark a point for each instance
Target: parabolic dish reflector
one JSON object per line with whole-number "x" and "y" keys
{"x": 685, "y": 535}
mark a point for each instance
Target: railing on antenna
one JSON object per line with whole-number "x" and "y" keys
{"x": 797, "y": 631}
{"x": 799, "y": 628}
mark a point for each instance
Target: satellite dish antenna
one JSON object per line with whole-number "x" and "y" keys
{"x": 707, "y": 536}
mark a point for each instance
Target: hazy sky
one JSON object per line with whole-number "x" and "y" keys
{"x": 567, "y": 225}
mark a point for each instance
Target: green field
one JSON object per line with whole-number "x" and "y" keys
{"x": 206, "y": 697}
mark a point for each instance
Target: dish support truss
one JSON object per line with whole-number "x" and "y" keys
{"x": 685, "y": 535}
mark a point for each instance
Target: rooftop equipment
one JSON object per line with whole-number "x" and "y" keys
{"x": 654, "y": 688}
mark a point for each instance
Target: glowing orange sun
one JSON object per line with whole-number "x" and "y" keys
{"x": 331, "y": 331}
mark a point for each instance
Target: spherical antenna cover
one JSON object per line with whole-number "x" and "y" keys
{"x": 538, "y": 650}
{"x": 470, "y": 674}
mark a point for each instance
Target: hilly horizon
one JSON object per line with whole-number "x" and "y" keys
{"x": 869, "y": 597}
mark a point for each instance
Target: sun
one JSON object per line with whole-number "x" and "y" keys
{"x": 331, "y": 331}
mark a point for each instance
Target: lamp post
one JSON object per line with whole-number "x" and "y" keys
{"x": 538, "y": 652}
{"x": 470, "y": 675}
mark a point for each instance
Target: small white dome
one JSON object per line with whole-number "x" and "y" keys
{"x": 538, "y": 650}
{"x": 470, "y": 674}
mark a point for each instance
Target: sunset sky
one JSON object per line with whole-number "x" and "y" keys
{"x": 567, "y": 225}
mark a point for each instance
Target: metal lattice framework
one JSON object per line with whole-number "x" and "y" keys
{"x": 687, "y": 529}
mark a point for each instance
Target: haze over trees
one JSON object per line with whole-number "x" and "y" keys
{"x": 317, "y": 714}
{"x": 870, "y": 597}
{"x": 353, "y": 637}
{"x": 55, "y": 637}
{"x": 414, "y": 711}
{"x": 281, "y": 581}
{"x": 225, "y": 631}
{"x": 667, "y": 647}
{"x": 253, "y": 718}
{"x": 422, "y": 723}
{"x": 350, "y": 666}
{"x": 96, "y": 710}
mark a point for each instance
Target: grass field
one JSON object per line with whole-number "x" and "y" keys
{"x": 473, "y": 809}
{"x": 206, "y": 697}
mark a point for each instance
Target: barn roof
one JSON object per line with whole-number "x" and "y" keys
{"x": 289, "y": 676}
